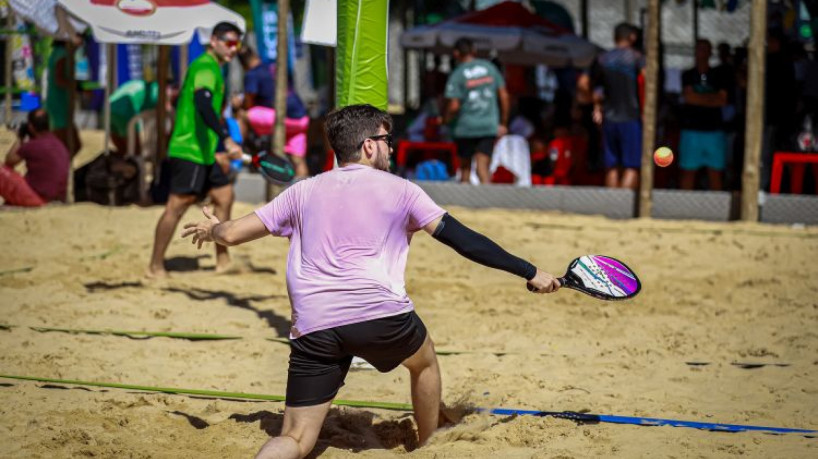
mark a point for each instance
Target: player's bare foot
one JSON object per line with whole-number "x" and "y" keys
{"x": 154, "y": 272}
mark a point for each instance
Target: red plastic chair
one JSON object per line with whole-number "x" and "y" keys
{"x": 559, "y": 150}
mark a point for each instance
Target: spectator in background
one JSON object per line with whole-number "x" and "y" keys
{"x": 616, "y": 107}
{"x": 703, "y": 142}
{"x": 259, "y": 103}
{"x": 478, "y": 106}
{"x": 128, "y": 101}
{"x": 47, "y": 161}
{"x": 57, "y": 95}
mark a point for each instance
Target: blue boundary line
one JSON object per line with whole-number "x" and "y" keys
{"x": 640, "y": 421}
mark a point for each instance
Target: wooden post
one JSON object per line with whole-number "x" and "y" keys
{"x": 695, "y": 23}
{"x": 649, "y": 111}
{"x": 281, "y": 86}
{"x": 583, "y": 14}
{"x": 72, "y": 91}
{"x": 9, "y": 56}
{"x": 755, "y": 112}
{"x": 183, "y": 57}
{"x": 161, "y": 113}
{"x": 110, "y": 50}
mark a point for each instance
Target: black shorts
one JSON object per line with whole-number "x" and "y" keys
{"x": 319, "y": 361}
{"x": 188, "y": 178}
{"x": 468, "y": 146}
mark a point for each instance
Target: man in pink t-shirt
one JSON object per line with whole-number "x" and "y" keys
{"x": 349, "y": 232}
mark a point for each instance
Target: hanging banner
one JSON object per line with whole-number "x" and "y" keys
{"x": 265, "y": 20}
{"x": 320, "y": 23}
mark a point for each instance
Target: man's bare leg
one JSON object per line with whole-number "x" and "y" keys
{"x": 300, "y": 166}
{"x": 425, "y": 376}
{"x": 687, "y": 180}
{"x": 483, "y": 163}
{"x": 222, "y": 204}
{"x": 174, "y": 209}
{"x": 465, "y": 170}
{"x": 630, "y": 179}
{"x": 298, "y": 433}
{"x": 715, "y": 178}
{"x": 612, "y": 178}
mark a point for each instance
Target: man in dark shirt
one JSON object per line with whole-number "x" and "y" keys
{"x": 615, "y": 78}
{"x": 47, "y": 162}
{"x": 259, "y": 86}
{"x": 259, "y": 103}
{"x": 703, "y": 142}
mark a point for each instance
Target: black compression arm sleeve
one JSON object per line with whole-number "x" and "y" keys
{"x": 480, "y": 249}
{"x": 203, "y": 100}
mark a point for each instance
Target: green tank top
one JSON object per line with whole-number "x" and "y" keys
{"x": 192, "y": 140}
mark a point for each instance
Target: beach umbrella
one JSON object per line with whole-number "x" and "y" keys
{"x": 516, "y": 34}
{"x": 155, "y": 22}
{"x": 152, "y": 22}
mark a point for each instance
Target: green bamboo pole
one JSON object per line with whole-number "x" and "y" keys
{"x": 147, "y": 334}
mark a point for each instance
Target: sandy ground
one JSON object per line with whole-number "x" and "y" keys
{"x": 712, "y": 293}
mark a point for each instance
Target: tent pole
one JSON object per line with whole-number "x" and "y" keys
{"x": 9, "y": 56}
{"x": 281, "y": 85}
{"x": 755, "y": 112}
{"x": 649, "y": 112}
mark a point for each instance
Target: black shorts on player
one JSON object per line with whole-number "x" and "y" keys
{"x": 319, "y": 361}
{"x": 189, "y": 178}
{"x": 468, "y": 146}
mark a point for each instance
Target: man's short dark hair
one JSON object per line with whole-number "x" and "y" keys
{"x": 226, "y": 27}
{"x": 464, "y": 46}
{"x": 348, "y": 127}
{"x": 623, "y": 31}
{"x": 38, "y": 120}
{"x": 245, "y": 55}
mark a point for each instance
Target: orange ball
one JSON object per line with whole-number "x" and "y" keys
{"x": 663, "y": 156}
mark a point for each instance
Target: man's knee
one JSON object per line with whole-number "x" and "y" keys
{"x": 178, "y": 203}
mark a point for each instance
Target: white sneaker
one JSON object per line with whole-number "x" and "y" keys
{"x": 360, "y": 364}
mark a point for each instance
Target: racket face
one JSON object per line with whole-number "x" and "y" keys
{"x": 603, "y": 277}
{"x": 274, "y": 168}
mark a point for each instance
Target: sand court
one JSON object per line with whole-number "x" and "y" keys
{"x": 713, "y": 296}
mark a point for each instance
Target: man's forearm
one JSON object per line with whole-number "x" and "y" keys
{"x": 221, "y": 234}
{"x": 480, "y": 249}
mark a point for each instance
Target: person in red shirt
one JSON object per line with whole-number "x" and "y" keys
{"x": 47, "y": 162}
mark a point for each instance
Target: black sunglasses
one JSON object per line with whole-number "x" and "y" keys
{"x": 385, "y": 137}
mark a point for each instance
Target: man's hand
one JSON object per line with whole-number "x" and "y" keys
{"x": 544, "y": 282}
{"x": 597, "y": 115}
{"x": 202, "y": 231}
{"x": 233, "y": 149}
{"x": 501, "y": 130}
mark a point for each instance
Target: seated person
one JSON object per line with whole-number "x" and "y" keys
{"x": 129, "y": 100}
{"x": 47, "y": 162}
{"x": 259, "y": 100}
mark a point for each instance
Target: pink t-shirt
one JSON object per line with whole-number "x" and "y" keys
{"x": 349, "y": 232}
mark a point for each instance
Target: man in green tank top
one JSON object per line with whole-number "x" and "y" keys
{"x": 191, "y": 152}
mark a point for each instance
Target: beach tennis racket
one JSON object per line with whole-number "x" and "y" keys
{"x": 273, "y": 168}
{"x": 601, "y": 277}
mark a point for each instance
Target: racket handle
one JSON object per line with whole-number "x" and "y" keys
{"x": 531, "y": 288}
